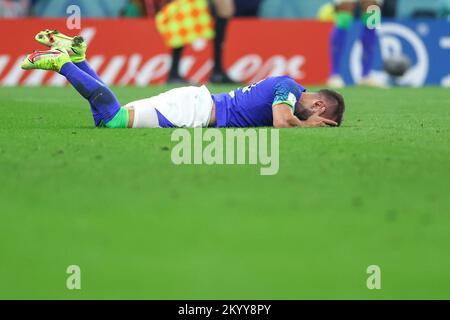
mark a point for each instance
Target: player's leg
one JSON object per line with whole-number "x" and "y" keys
{"x": 86, "y": 67}
{"x": 100, "y": 97}
{"x": 368, "y": 39}
{"x": 223, "y": 11}
{"x": 187, "y": 107}
{"x": 344, "y": 20}
{"x": 174, "y": 75}
{"x": 76, "y": 47}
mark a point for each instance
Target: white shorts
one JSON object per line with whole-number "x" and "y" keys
{"x": 185, "y": 107}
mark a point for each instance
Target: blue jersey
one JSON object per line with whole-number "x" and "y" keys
{"x": 251, "y": 106}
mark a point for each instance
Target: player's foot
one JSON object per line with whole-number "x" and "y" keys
{"x": 52, "y": 59}
{"x": 177, "y": 80}
{"x": 372, "y": 82}
{"x": 336, "y": 82}
{"x": 220, "y": 77}
{"x": 75, "y": 46}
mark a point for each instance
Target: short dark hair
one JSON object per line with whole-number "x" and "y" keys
{"x": 339, "y": 104}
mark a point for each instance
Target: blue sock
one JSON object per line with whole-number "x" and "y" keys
{"x": 338, "y": 40}
{"x": 102, "y": 100}
{"x": 86, "y": 67}
{"x": 368, "y": 38}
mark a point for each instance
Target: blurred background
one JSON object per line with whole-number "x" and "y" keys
{"x": 303, "y": 9}
{"x": 235, "y": 41}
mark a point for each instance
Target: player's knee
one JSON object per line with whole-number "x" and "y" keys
{"x": 102, "y": 95}
{"x": 120, "y": 120}
{"x": 344, "y": 20}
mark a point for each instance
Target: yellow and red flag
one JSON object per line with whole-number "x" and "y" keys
{"x": 181, "y": 22}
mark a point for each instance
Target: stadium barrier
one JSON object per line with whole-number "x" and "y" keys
{"x": 131, "y": 52}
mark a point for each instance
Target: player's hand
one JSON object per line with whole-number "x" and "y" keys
{"x": 315, "y": 120}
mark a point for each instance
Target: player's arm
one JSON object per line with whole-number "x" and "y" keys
{"x": 286, "y": 95}
{"x": 283, "y": 117}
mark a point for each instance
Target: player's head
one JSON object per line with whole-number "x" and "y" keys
{"x": 330, "y": 100}
{"x": 334, "y": 104}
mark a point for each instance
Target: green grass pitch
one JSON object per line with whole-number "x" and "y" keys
{"x": 374, "y": 192}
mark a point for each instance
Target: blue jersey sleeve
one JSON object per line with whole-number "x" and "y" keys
{"x": 287, "y": 92}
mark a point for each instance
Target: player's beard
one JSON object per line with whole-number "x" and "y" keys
{"x": 303, "y": 114}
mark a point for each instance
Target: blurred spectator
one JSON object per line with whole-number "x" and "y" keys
{"x": 344, "y": 18}
{"x": 223, "y": 11}
{"x": 134, "y": 9}
{"x": 14, "y": 8}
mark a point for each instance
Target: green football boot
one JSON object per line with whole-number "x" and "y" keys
{"x": 52, "y": 59}
{"x": 76, "y": 47}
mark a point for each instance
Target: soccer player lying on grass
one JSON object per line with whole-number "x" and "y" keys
{"x": 276, "y": 101}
